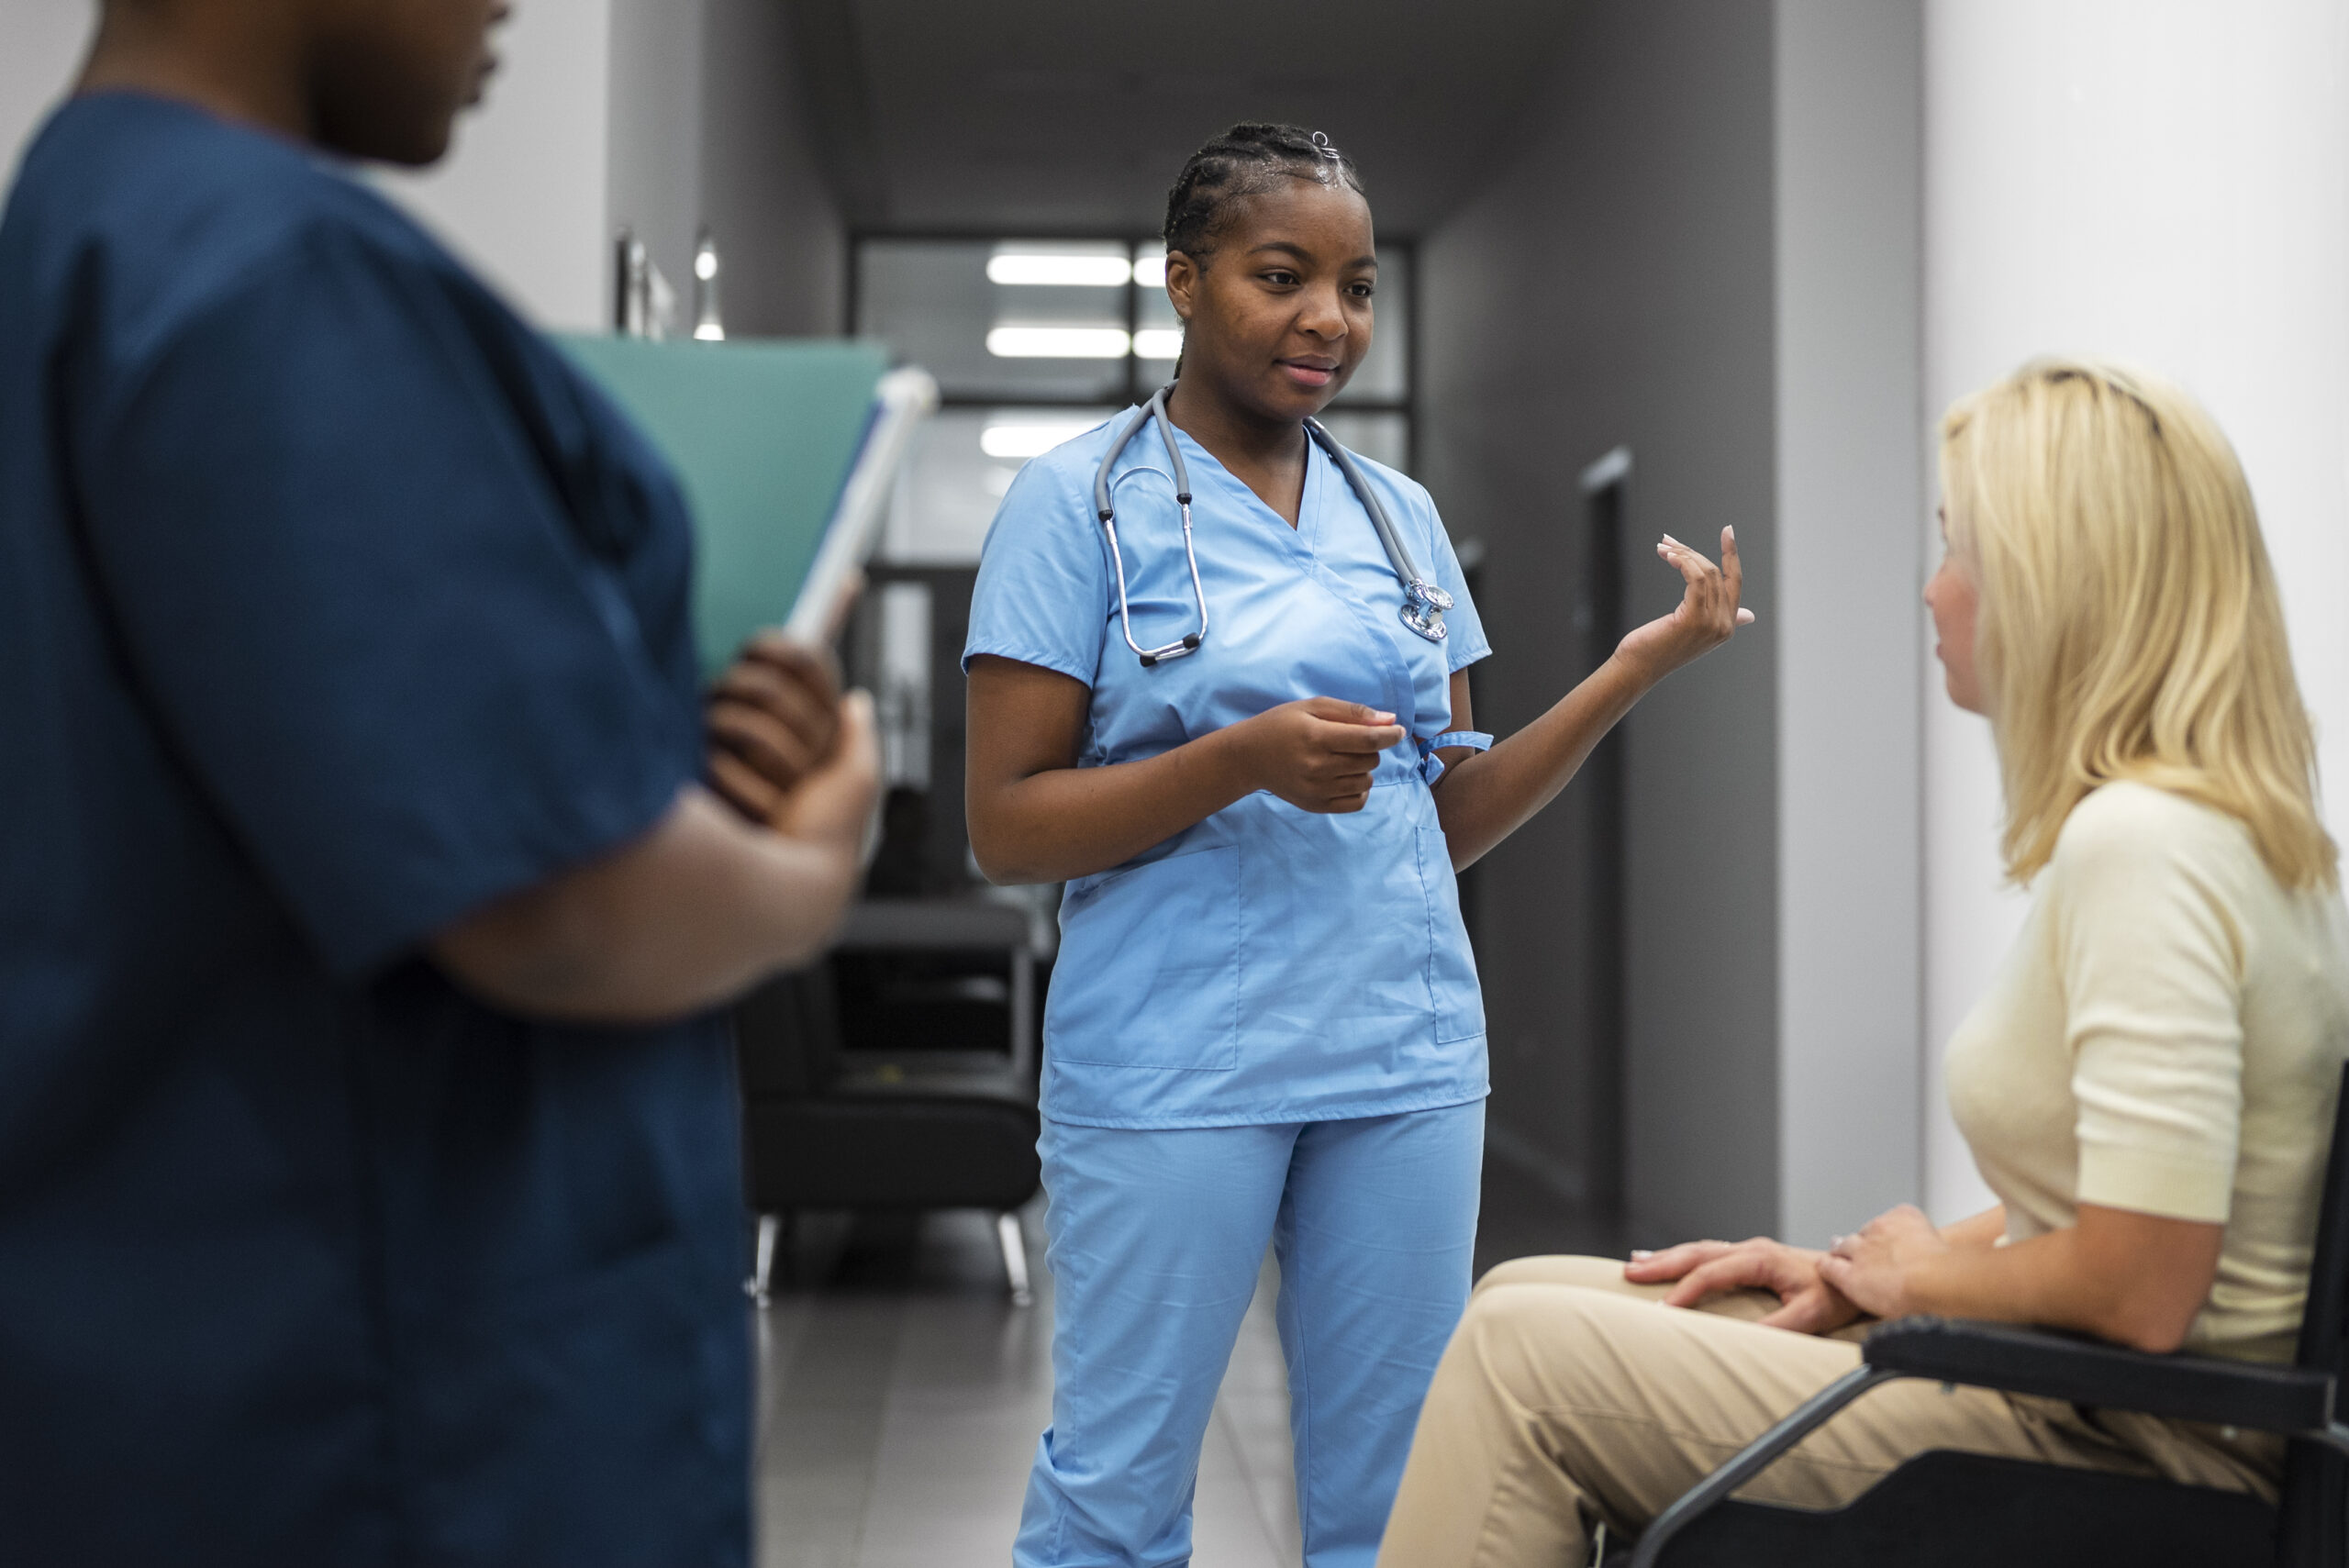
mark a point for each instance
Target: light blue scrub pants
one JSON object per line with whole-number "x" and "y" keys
{"x": 1156, "y": 1238}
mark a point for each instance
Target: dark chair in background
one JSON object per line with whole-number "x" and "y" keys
{"x": 899, "y": 1074}
{"x": 1945, "y": 1509}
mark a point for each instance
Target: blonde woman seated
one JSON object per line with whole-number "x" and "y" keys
{"x": 2148, "y": 1087}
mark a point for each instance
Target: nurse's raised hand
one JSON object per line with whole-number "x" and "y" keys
{"x": 1706, "y": 616}
{"x": 1483, "y": 799}
{"x": 1317, "y": 754}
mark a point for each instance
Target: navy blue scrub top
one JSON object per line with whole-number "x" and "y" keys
{"x": 332, "y": 604}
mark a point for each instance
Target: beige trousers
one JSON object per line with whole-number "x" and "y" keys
{"x": 1569, "y": 1395}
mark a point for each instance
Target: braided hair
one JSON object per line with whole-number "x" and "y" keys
{"x": 1247, "y": 159}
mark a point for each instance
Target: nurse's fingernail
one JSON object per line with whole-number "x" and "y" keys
{"x": 1640, "y": 1254}
{"x": 1382, "y": 718}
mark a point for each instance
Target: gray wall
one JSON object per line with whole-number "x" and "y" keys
{"x": 655, "y": 106}
{"x": 1612, "y": 283}
{"x": 1707, "y": 249}
{"x": 778, "y": 226}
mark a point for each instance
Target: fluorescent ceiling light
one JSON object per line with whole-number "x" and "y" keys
{"x": 1150, "y": 271}
{"x": 1030, "y": 439}
{"x": 1158, "y": 343}
{"x": 1059, "y": 342}
{"x": 1058, "y": 271}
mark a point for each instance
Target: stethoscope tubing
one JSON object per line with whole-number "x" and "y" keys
{"x": 1423, "y": 602}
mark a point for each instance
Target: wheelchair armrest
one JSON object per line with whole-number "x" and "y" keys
{"x": 2082, "y": 1371}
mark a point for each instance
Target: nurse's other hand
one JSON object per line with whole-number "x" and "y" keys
{"x": 1317, "y": 754}
{"x": 832, "y": 805}
{"x": 1708, "y": 614}
{"x": 1807, "y": 1302}
{"x": 776, "y": 714}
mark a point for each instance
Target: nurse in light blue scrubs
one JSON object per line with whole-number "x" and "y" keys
{"x": 1258, "y": 784}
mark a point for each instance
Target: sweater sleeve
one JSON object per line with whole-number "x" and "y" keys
{"x": 2151, "y": 955}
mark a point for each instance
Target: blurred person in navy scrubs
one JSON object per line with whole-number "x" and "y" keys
{"x": 370, "y": 858}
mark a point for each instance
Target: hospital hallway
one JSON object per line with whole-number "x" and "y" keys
{"x": 900, "y": 1393}
{"x": 1505, "y": 523}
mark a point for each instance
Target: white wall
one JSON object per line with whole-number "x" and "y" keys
{"x": 1849, "y": 119}
{"x": 524, "y": 196}
{"x": 2165, "y": 180}
{"x": 657, "y": 114}
{"x": 41, "y": 45}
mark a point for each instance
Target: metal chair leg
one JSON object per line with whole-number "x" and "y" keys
{"x": 1756, "y": 1457}
{"x": 1014, "y": 1242}
{"x": 770, "y": 1229}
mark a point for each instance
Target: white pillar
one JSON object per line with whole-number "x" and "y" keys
{"x": 1848, "y": 489}
{"x": 2165, "y": 180}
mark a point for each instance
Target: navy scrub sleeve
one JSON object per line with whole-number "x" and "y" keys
{"x": 332, "y": 606}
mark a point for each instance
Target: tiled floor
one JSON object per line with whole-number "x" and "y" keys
{"x": 901, "y": 1394}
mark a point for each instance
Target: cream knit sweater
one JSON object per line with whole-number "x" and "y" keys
{"x": 2167, "y": 1037}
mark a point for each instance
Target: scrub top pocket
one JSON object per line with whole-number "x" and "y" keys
{"x": 1453, "y": 993}
{"x": 1159, "y": 947}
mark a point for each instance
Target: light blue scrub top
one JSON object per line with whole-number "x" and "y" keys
{"x": 1268, "y": 964}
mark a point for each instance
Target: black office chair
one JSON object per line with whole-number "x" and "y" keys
{"x": 927, "y": 1116}
{"x": 1955, "y": 1510}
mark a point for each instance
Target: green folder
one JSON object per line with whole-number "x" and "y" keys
{"x": 762, "y": 435}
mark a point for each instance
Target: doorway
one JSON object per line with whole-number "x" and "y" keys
{"x": 1600, "y": 619}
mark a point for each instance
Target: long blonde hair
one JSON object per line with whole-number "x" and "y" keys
{"x": 2128, "y": 625}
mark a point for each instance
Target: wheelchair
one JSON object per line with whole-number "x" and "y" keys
{"x": 1943, "y": 1510}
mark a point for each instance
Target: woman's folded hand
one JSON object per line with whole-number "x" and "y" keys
{"x": 1807, "y": 1302}
{"x": 1872, "y": 1266}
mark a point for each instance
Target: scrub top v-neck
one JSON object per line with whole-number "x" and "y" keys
{"x": 333, "y": 605}
{"x": 1268, "y": 964}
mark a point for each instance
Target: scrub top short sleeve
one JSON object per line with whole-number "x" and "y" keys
{"x": 1044, "y": 591}
{"x": 396, "y": 669}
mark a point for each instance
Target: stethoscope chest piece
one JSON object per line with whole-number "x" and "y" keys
{"x": 1423, "y": 608}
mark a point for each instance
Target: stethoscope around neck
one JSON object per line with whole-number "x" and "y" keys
{"x": 1423, "y": 602}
